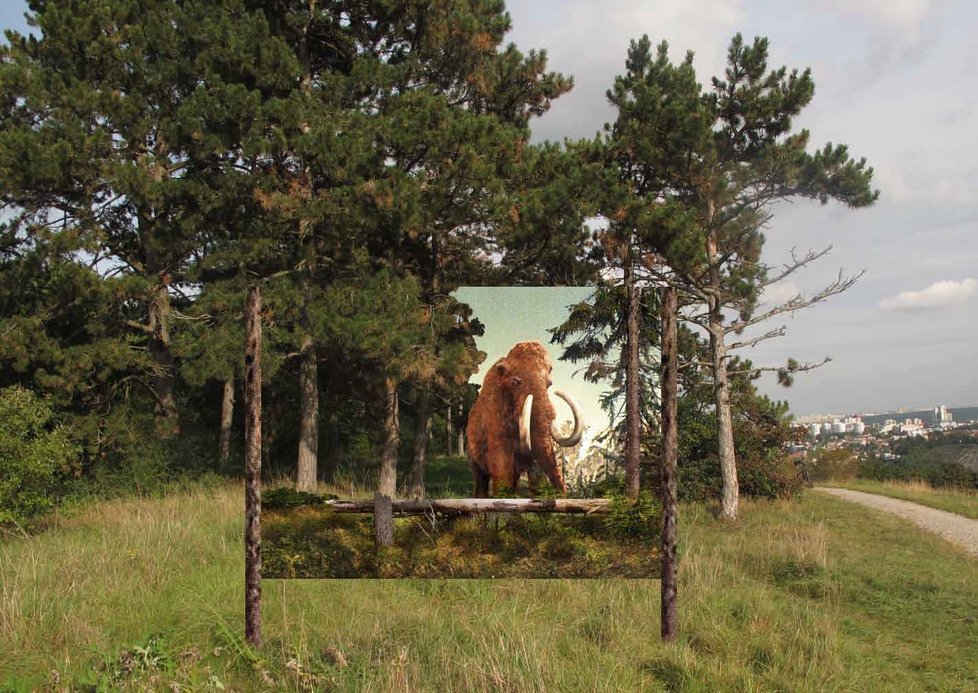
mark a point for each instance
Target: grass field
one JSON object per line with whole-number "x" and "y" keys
{"x": 812, "y": 595}
{"x": 958, "y": 501}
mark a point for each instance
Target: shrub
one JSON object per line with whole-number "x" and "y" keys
{"x": 774, "y": 475}
{"x": 34, "y": 453}
{"x": 937, "y": 474}
{"x": 838, "y": 465}
{"x": 152, "y": 468}
{"x": 632, "y": 521}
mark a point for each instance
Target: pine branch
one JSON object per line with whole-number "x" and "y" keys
{"x": 779, "y": 332}
{"x": 799, "y": 368}
{"x": 841, "y": 283}
{"x": 797, "y": 263}
{"x": 139, "y": 326}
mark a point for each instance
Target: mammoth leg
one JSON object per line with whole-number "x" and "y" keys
{"x": 533, "y": 479}
{"x": 481, "y": 480}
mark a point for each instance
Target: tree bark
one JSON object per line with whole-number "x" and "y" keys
{"x": 461, "y": 434}
{"x": 227, "y": 417}
{"x": 164, "y": 379}
{"x": 421, "y": 437}
{"x": 633, "y": 422}
{"x": 721, "y": 387}
{"x": 449, "y": 431}
{"x": 725, "y": 441}
{"x": 253, "y": 468}
{"x": 670, "y": 455}
{"x": 383, "y": 521}
{"x": 387, "y": 485}
{"x": 307, "y": 463}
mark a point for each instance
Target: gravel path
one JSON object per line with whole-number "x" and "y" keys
{"x": 957, "y": 529}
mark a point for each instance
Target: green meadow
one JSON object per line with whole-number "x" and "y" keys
{"x": 147, "y": 594}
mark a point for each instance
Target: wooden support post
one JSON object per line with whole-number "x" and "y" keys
{"x": 253, "y": 468}
{"x": 670, "y": 454}
{"x": 383, "y": 520}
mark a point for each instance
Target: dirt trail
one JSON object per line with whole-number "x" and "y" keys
{"x": 956, "y": 529}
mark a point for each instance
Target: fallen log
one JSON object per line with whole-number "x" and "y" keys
{"x": 461, "y": 506}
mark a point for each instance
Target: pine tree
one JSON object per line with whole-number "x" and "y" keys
{"x": 112, "y": 116}
{"x": 702, "y": 171}
{"x": 647, "y": 231}
{"x": 754, "y": 159}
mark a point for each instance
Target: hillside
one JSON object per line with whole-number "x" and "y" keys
{"x": 966, "y": 455}
{"x": 812, "y": 595}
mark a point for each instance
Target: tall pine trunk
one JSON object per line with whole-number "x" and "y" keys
{"x": 227, "y": 417}
{"x": 164, "y": 378}
{"x": 633, "y": 423}
{"x": 721, "y": 386}
{"x": 449, "y": 431}
{"x": 461, "y": 433}
{"x": 421, "y": 438}
{"x": 253, "y": 452}
{"x": 308, "y": 454}
{"x": 670, "y": 459}
{"x": 306, "y": 466}
{"x": 387, "y": 485}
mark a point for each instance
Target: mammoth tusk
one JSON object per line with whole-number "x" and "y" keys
{"x": 525, "y": 446}
{"x": 575, "y": 437}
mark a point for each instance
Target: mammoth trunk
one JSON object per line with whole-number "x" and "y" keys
{"x": 387, "y": 485}
{"x": 306, "y": 466}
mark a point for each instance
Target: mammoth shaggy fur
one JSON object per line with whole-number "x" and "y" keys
{"x": 497, "y": 455}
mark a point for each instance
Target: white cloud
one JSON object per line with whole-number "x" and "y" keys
{"x": 906, "y": 15}
{"x": 937, "y": 295}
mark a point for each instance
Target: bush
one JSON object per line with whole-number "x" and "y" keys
{"x": 773, "y": 475}
{"x": 634, "y": 521}
{"x": 837, "y": 465}
{"x": 35, "y": 453}
{"x": 152, "y": 468}
{"x": 937, "y": 474}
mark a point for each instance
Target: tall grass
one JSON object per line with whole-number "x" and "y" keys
{"x": 814, "y": 595}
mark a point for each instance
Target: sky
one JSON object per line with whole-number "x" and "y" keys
{"x": 895, "y": 81}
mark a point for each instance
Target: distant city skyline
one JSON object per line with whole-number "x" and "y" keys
{"x": 897, "y": 411}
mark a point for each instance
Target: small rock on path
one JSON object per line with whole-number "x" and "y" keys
{"x": 957, "y": 529}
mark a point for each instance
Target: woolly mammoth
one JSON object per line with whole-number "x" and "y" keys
{"x": 511, "y": 425}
